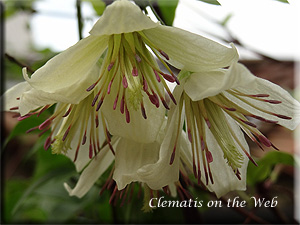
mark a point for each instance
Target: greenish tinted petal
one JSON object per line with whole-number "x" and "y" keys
{"x": 288, "y": 106}
{"x": 70, "y": 71}
{"x": 10, "y": 98}
{"x": 190, "y": 51}
{"x": 122, "y": 17}
{"x": 83, "y": 153}
{"x": 130, "y": 157}
{"x": 224, "y": 178}
{"x": 201, "y": 85}
{"x": 161, "y": 173}
{"x": 138, "y": 129}
{"x": 98, "y": 165}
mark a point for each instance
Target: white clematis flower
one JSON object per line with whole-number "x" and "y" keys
{"x": 134, "y": 162}
{"x": 72, "y": 127}
{"x": 217, "y": 105}
{"x": 129, "y": 81}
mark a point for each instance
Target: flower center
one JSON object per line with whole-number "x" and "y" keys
{"x": 131, "y": 71}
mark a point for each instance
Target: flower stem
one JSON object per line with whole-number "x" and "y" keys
{"x": 79, "y": 18}
{"x": 14, "y": 60}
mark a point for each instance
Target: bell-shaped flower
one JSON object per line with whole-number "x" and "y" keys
{"x": 132, "y": 161}
{"x": 76, "y": 130}
{"x": 130, "y": 81}
{"x": 217, "y": 106}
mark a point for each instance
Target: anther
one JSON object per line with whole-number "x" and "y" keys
{"x": 173, "y": 155}
{"x": 83, "y": 138}
{"x": 138, "y": 58}
{"x": 263, "y": 119}
{"x": 115, "y": 102}
{"x": 143, "y": 111}
{"x": 264, "y": 140}
{"x": 283, "y": 117}
{"x": 156, "y": 75}
{"x": 97, "y": 121}
{"x": 47, "y": 143}
{"x": 190, "y": 136}
{"x": 273, "y": 101}
{"x": 68, "y": 112}
{"x": 164, "y": 54}
{"x": 43, "y": 109}
{"x": 14, "y": 108}
{"x": 66, "y": 133}
{"x": 109, "y": 87}
{"x": 32, "y": 129}
{"x": 259, "y": 96}
{"x": 110, "y": 66}
{"x": 165, "y": 104}
{"x": 20, "y": 118}
{"x": 135, "y": 72}
{"x": 168, "y": 77}
{"x": 248, "y": 123}
{"x": 230, "y": 109}
{"x": 124, "y": 82}
{"x": 127, "y": 115}
{"x": 154, "y": 99}
{"x": 208, "y": 156}
{"x": 99, "y": 104}
{"x": 91, "y": 87}
{"x": 95, "y": 99}
{"x": 91, "y": 151}
{"x": 122, "y": 105}
{"x": 45, "y": 124}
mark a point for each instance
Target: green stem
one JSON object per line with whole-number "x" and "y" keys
{"x": 15, "y": 61}
{"x": 79, "y": 18}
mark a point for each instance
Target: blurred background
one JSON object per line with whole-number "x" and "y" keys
{"x": 267, "y": 35}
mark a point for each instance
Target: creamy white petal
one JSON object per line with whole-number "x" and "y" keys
{"x": 288, "y": 106}
{"x": 91, "y": 173}
{"x": 83, "y": 154}
{"x": 130, "y": 157}
{"x": 201, "y": 85}
{"x": 190, "y": 51}
{"x": 122, "y": 17}
{"x": 205, "y": 84}
{"x": 71, "y": 72}
{"x": 161, "y": 173}
{"x": 11, "y": 96}
{"x": 139, "y": 129}
{"x": 224, "y": 178}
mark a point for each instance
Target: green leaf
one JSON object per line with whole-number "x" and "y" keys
{"x": 98, "y": 5}
{"x": 265, "y": 166}
{"x": 167, "y": 9}
{"x": 283, "y": 1}
{"x": 213, "y": 2}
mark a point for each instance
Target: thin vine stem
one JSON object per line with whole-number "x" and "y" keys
{"x": 17, "y": 62}
{"x": 79, "y": 18}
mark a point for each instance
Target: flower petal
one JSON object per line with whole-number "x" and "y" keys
{"x": 71, "y": 72}
{"x": 122, "y": 17}
{"x": 288, "y": 106}
{"x": 138, "y": 129}
{"x": 161, "y": 173}
{"x": 201, "y": 85}
{"x": 224, "y": 178}
{"x": 83, "y": 153}
{"x": 11, "y": 97}
{"x": 130, "y": 157}
{"x": 91, "y": 173}
{"x": 190, "y": 51}
{"x": 205, "y": 84}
